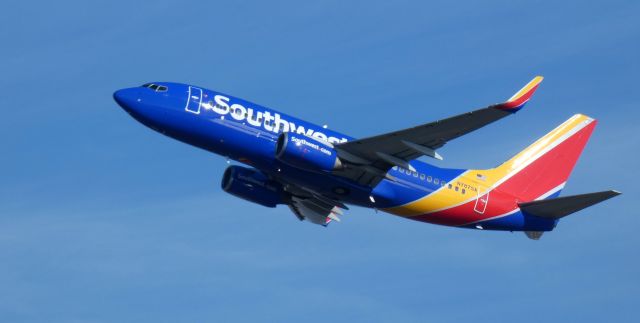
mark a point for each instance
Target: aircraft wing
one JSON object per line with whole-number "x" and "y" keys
{"x": 370, "y": 158}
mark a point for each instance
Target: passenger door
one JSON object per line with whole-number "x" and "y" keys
{"x": 482, "y": 200}
{"x": 194, "y": 100}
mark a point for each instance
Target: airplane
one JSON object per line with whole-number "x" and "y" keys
{"x": 317, "y": 172}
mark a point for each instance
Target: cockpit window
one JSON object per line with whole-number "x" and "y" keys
{"x": 157, "y": 88}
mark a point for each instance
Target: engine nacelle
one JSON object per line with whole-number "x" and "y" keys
{"x": 253, "y": 186}
{"x": 306, "y": 153}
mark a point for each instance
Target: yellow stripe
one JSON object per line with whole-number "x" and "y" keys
{"x": 531, "y": 152}
{"x": 447, "y": 198}
{"x": 536, "y": 80}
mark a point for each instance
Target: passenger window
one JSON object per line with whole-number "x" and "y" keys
{"x": 415, "y": 174}
{"x": 436, "y": 181}
{"x": 429, "y": 179}
{"x": 456, "y": 188}
{"x": 422, "y": 177}
{"x": 464, "y": 191}
{"x": 450, "y": 186}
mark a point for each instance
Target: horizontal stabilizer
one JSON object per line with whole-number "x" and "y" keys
{"x": 562, "y": 206}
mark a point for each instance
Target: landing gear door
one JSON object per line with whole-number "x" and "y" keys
{"x": 194, "y": 100}
{"x": 482, "y": 200}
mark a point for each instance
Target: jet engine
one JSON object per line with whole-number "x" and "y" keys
{"x": 306, "y": 153}
{"x": 252, "y": 185}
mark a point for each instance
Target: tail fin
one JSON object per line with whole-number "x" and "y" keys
{"x": 541, "y": 170}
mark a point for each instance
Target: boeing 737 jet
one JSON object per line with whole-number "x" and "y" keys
{"x": 317, "y": 172}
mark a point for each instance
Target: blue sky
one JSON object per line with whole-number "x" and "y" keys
{"x": 103, "y": 220}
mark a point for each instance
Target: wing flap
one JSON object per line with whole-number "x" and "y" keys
{"x": 314, "y": 210}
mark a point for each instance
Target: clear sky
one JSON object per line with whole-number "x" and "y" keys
{"x": 103, "y": 220}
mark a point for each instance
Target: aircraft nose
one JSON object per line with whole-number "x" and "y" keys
{"x": 127, "y": 98}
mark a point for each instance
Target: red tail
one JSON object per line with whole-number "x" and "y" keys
{"x": 544, "y": 167}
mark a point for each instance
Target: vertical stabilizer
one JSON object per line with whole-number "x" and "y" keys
{"x": 542, "y": 169}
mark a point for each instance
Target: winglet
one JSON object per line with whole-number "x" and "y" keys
{"x": 518, "y": 100}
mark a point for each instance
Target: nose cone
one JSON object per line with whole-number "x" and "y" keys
{"x": 128, "y": 99}
{"x": 146, "y": 108}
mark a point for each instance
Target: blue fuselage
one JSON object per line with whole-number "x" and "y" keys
{"x": 247, "y": 132}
